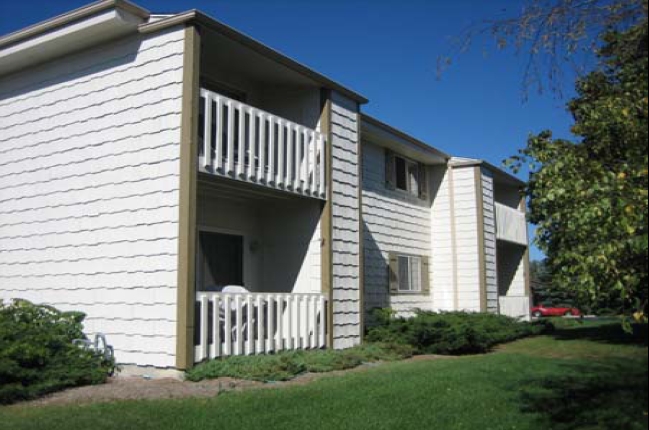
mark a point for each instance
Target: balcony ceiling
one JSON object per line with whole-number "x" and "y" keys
{"x": 230, "y": 55}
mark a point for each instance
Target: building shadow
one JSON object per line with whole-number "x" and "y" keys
{"x": 611, "y": 333}
{"x": 608, "y": 393}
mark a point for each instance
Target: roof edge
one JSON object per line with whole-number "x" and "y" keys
{"x": 390, "y": 129}
{"x": 201, "y": 19}
{"x": 472, "y": 162}
{"x": 71, "y": 16}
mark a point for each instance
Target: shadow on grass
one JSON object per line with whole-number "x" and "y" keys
{"x": 612, "y": 395}
{"x": 607, "y": 393}
{"x": 611, "y": 333}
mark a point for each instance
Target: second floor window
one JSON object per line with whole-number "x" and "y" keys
{"x": 405, "y": 175}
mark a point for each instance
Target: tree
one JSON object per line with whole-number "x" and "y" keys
{"x": 551, "y": 34}
{"x": 544, "y": 290}
{"x": 589, "y": 198}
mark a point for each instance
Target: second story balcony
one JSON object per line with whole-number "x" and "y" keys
{"x": 511, "y": 225}
{"x": 244, "y": 143}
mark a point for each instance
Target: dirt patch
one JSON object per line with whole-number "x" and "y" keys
{"x": 132, "y": 388}
{"x": 138, "y": 388}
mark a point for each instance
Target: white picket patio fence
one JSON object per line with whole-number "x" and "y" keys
{"x": 248, "y": 144}
{"x": 258, "y": 323}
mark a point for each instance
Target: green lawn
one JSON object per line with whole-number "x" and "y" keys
{"x": 584, "y": 376}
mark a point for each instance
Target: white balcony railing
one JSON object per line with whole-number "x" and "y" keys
{"x": 245, "y": 143}
{"x": 511, "y": 224}
{"x": 258, "y": 323}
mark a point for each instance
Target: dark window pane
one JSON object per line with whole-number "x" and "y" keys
{"x": 400, "y": 173}
{"x": 222, "y": 260}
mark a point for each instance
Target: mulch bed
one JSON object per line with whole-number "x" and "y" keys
{"x": 138, "y": 388}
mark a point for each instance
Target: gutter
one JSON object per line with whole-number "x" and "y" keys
{"x": 70, "y": 17}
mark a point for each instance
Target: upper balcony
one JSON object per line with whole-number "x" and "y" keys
{"x": 511, "y": 224}
{"x": 245, "y": 143}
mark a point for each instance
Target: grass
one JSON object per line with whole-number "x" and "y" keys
{"x": 590, "y": 376}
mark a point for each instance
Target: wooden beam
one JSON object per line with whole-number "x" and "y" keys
{"x": 526, "y": 256}
{"x": 326, "y": 217}
{"x": 187, "y": 204}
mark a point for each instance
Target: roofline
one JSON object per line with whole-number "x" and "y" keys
{"x": 201, "y": 19}
{"x": 69, "y": 17}
{"x": 495, "y": 169}
{"x": 405, "y": 136}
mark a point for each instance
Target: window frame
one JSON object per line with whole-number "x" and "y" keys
{"x": 198, "y": 270}
{"x": 415, "y": 176}
{"x": 395, "y": 274}
{"x": 408, "y": 166}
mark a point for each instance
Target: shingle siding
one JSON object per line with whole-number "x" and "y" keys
{"x": 89, "y": 163}
{"x": 442, "y": 233}
{"x": 393, "y": 221}
{"x": 489, "y": 220}
{"x": 466, "y": 234}
{"x": 345, "y": 222}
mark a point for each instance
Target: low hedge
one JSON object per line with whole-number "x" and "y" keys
{"x": 286, "y": 365}
{"x": 37, "y": 355}
{"x": 450, "y": 333}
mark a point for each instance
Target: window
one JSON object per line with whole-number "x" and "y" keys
{"x": 405, "y": 175}
{"x": 408, "y": 273}
{"x": 220, "y": 260}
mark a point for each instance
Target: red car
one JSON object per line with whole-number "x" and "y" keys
{"x": 550, "y": 311}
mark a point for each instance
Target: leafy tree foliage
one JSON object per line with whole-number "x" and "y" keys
{"x": 589, "y": 199}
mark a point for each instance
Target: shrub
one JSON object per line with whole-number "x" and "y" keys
{"x": 286, "y": 365}
{"x": 37, "y": 355}
{"x": 280, "y": 367}
{"x": 450, "y": 333}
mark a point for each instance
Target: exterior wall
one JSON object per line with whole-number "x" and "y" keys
{"x": 489, "y": 231}
{"x": 281, "y": 240}
{"x": 514, "y": 300}
{"x": 345, "y": 222}
{"x": 89, "y": 180}
{"x": 512, "y": 258}
{"x": 291, "y": 247}
{"x": 443, "y": 260}
{"x": 511, "y": 269}
{"x": 392, "y": 221}
{"x": 235, "y": 217}
{"x": 466, "y": 239}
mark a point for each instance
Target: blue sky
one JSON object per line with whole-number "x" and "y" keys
{"x": 387, "y": 51}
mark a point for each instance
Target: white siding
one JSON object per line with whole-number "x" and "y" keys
{"x": 466, "y": 235}
{"x": 489, "y": 216}
{"x": 89, "y": 163}
{"x": 393, "y": 221}
{"x": 442, "y": 262}
{"x": 345, "y": 222}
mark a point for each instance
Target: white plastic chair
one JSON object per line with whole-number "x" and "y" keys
{"x": 234, "y": 289}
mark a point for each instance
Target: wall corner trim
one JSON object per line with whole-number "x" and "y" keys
{"x": 187, "y": 201}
